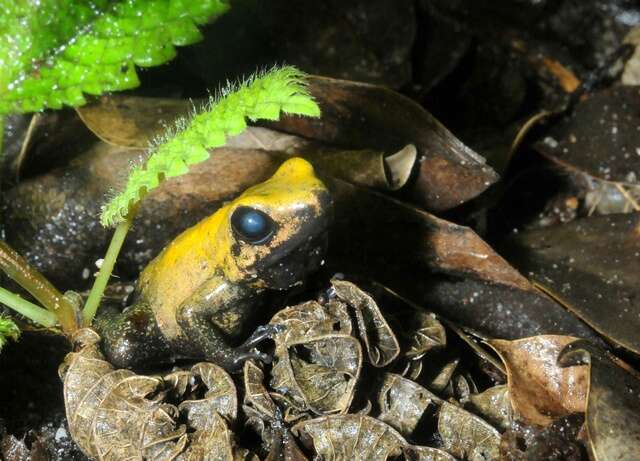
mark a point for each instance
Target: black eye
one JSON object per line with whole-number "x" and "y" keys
{"x": 251, "y": 225}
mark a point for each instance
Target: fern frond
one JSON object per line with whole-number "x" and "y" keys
{"x": 8, "y": 331}
{"x": 52, "y": 52}
{"x": 263, "y": 96}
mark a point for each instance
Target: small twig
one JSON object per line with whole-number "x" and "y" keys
{"x": 28, "y": 309}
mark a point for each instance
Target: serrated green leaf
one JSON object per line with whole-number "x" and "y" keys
{"x": 53, "y": 51}
{"x": 264, "y": 96}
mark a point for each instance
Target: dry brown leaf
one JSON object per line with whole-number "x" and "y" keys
{"x": 467, "y": 436}
{"x": 418, "y": 453}
{"x": 494, "y": 405}
{"x": 402, "y": 403}
{"x": 319, "y": 373}
{"x": 612, "y": 419}
{"x": 116, "y": 414}
{"x": 379, "y": 340}
{"x": 540, "y": 389}
{"x": 350, "y": 437}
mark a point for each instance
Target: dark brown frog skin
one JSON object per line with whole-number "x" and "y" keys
{"x": 200, "y": 293}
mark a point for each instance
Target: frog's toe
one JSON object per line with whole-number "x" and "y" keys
{"x": 251, "y": 355}
{"x": 262, "y": 333}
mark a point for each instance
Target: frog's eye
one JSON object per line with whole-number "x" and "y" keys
{"x": 251, "y": 225}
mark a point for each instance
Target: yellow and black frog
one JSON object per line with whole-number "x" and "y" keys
{"x": 197, "y": 297}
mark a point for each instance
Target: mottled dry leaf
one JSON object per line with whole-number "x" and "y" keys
{"x": 494, "y": 405}
{"x": 109, "y": 414}
{"x": 443, "y": 378}
{"x": 312, "y": 319}
{"x": 427, "y": 334}
{"x": 467, "y": 436}
{"x": 256, "y": 395}
{"x": 213, "y": 441}
{"x": 320, "y": 373}
{"x": 350, "y": 437}
{"x": 116, "y": 414}
{"x": 540, "y": 389}
{"x": 380, "y": 341}
{"x": 220, "y": 396}
{"x": 402, "y": 403}
{"x": 613, "y": 410}
{"x": 418, "y": 453}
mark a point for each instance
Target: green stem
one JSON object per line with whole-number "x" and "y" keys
{"x": 95, "y": 295}
{"x": 16, "y": 267}
{"x": 28, "y": 309}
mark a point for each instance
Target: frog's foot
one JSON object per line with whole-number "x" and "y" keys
{"x": 262, "y": 333}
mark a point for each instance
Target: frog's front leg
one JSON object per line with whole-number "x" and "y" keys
{"x": 132, "y": 339}
{"x": 214, "y": 317}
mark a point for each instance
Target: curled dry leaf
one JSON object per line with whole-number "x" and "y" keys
{"x": 443, "y": 377}
{"x": 402, "y": 402}
{"x": 220, "y": 396}
{"x": 467, "y": 436}
{"x": 350, "y": 437}
{"x": 256, "y": 395}
{"x": 319, "y": 373}
{"x": 116, "y": 414}
{"x": 379, "y": 340}
{"x": 266, "y": 418}
{"x": 494, "y": 405}
{"x": 612, "y": 418}
{"x": 424, "y": 334}
{"x": 418, "y": 453}
{"x": 312, "y": 319}
{"x": 539, "y": 388}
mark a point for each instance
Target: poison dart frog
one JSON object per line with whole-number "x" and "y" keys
{"x": 197, "y": 297}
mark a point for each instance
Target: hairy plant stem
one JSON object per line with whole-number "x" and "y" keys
{"x": 18, "y": 269}
{"x": 31, "y": 311}
{"x": 97, "y": 290}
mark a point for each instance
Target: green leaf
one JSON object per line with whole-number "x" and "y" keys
{"x": 53, "y": 51}
{"x": 8, "y": 331}
{"x": 263, "y": 96}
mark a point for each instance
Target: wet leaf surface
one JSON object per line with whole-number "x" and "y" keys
{"x": 540, "y": 390}
{"x": 454, "y": 272}
{"x": 600, "y": 137}
{"x": 344, "y": 437}
{"x": 613, "y": 411}
{"x": 591, "y": 267}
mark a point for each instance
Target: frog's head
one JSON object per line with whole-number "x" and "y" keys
{"x": 276, "y": 230}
